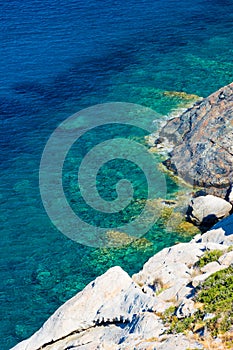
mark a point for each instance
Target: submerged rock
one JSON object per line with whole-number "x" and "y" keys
{"x": 202, "y": 143}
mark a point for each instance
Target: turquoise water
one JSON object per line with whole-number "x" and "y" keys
{"x": 58, "y": 58}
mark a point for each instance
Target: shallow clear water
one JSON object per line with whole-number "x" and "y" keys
{"x": 58, "y": 57}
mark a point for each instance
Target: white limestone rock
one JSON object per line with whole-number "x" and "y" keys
{"x": 114, "y": 336}
{"x": 211, "y": 267}
{"x": 178, "y": 342}
{"x": 177, "y": 292}
{"x": 101, "y": 338}
{"x": 200, "y": 279}
{"x": 197, "y": 238}
{"x": 226, "y": 259}
{"x": 145, "y": 326}
{"x": 216, "y": 246}
{"x": 221, "y": 233}
{"x": 161, "y": 306}
{"x": 170, "y": 270}
{"x": 208, "y": 209}
{"x": 186, "y": 308}
{"x": 111, "y": 297}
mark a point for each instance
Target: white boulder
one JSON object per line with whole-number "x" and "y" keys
{"x": 207, "y": 210}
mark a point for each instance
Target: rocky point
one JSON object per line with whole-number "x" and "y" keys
{"x": 201, "y": 139}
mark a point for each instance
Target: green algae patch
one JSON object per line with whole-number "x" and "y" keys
{"x": 162, "y": 101}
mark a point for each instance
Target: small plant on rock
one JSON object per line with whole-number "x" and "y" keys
{"x": 208, "y": 257}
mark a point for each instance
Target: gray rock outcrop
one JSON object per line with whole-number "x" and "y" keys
{"x": 202, "y": 143}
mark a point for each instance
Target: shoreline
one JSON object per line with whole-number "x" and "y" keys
{"x": 164, "y": 306}
{"x": 103, "y": 314}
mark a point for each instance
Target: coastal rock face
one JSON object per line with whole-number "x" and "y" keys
{"x": 168, "y": 273}
{"x": 202, "y": 142}
{"x": 117, "y": 312}
{"x": 111, "y": 298}
{"x": 207, "y": 210}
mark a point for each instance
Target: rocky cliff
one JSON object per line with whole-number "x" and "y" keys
{"x": 201, "y": 139}
{"x": 152, "y": 310}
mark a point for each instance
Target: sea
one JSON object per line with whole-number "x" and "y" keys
{"x": 60, "y": 57}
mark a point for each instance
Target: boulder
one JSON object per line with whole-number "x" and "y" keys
{"x": 202, "y": 143}
{"x": 207, "y": 210}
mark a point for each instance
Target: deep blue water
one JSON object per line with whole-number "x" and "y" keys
{"x": 58, "y": 57}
